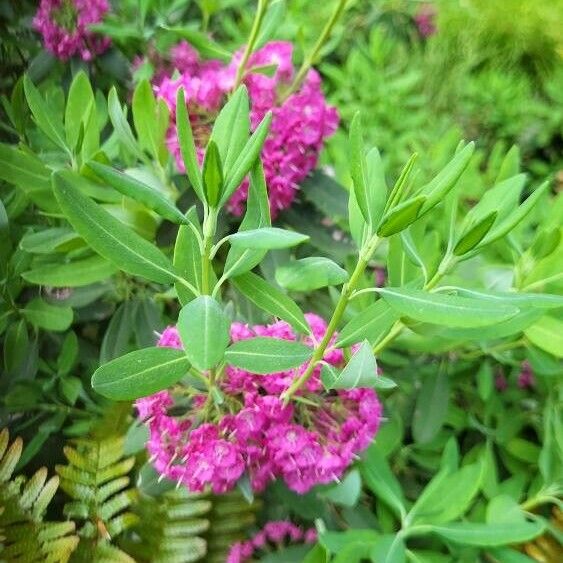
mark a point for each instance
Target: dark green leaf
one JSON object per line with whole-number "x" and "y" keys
{"x": 46, "y": 316}
{"x": 187, "y": 257}
{"x": 431, "y": 406}
{"x": 212, "y": 174}
{"x": 401, "y": 216}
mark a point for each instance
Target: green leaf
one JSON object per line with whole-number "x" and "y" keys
{"x": 108, "y": 237}
{"x": 231, "y": 128}
{"x": 145, "y": 118}
{"x": 510, "y": 165}
{"x": 446, "y": 310}
{"x": 121, "y": 126}
{"x": 23, "y": 170}
{"x": 447, "y": 496}
{"x": 140, "y": 373}
{"x": 267, "y": 238}
{"x": 139, "y": 191}
{"x": 368, "y": 176}
{"x": 446, "y": 179}
{"x": 265, "y": 355}
{"x": 389, "y": 549}
{"x": 48, "y": 240}
{"x": 79, "y": 104}
{"x": 431, "y": 406}
{"x": 212, "y": 174}
{"x": 257, "y": 215}
{"x": 16, "y": 346}
{"x": 118, "y": 336}
{"x": 187, "y": 257}
{"x": 360, "y": 371}
{"x": 547, "y": 334}
{"x": 378, "y": 477}
{"x": 347, "y": 492}
{"x": 187, "y": 145}
{"x": 72, "y": 274}
{"x": 401, "y": 216}
{"x": 491, "y": 534}
{"x": 246, "y": 158}
{"x": 370, "y": 324}
{"x": 204, "y": 331}
{"x": 310, "y": 273}
{"x": 271, "y": 300}
{"x": 44, "y": 117}
{"x": 521, "y": 300}
{"x": 46, "y": 316}
{"x": 474, "y": 235}
{"x": 272, "y": 21}
{"x": 201, "y": 42}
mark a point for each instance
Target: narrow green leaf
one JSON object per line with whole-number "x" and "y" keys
{"x": 47, "y": 316}
{"x": 521, "y": 300}
{"x": 187, "y": 145}
{"x": 264, "y": 355}
{"x": 267, "y": 238}
{"x": 399, "y": 189}
{"x": 447, "y": 310}
{"x": 231, "y": 128}
{"x": 140, "y": 373}
{"x": 358, "y": 167}
{"x": 145, "y": 118}
{"x": 271, "y": 300}
{"x": 489, "y": 535}
{"x": 360, "y": 371}
{"x": 78, "y": 106}
{"x": 246, "y": 158}
{"x": 72, "y": 274}
{"x": 446, "y": 179}
{"x": 378, "y": 477}
{"x": 47, "y": 241}
{"x": 310, "y": 273}
{"x": 139, "y": 191}
{"x": 204, "y": 331}
{"x": 108, "y": 237}
{"x": 510, "y": 165}
{"x": 401, "y": 216}
{"x": 23, "y": 170}
{"x": 212, "y": 174}
{"x": 44, "y": 117}
{"x": 257, "y": 215}
{"x": 187, "y": 257}
{"x": 431, "y": 408}
{"x": 121, "y": 126}
{"x": 473, "y": 236}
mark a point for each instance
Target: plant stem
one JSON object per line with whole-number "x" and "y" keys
{"x": 311, "y": 58}
{"x": 209, "y": 227}
{"x": 345, "y": 295}
{"x": 256, "y": 24}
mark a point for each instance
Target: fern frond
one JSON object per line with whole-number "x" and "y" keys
{"x": 97, "y": 480}
{"x": 24, "y": 536}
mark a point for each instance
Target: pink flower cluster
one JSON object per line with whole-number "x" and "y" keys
{"x": 305, "y": 443}
{"x": 425, "y": 20}
{"x": 64, "y": 25}
{"x": 526, "y": 378}
{"x": 278, "y": 533}
{"x": 300, "y": 123}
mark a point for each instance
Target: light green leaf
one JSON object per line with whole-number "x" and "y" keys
{"x": 310, "y": 273}
{"x": 267, "y": 238}
{"x": 231, "y": 128}
{"x": 246, "y": 158}
{"x": 23, "y": 170}
{"x": 79, "y": 104}
{"x": 401, "y": 216}
{"x": 48, "y": 240}
{"x": 212, "y": 174}
{"x": 347, "y": 492}
{"x": 447, "y": 310}
{"x": 389, "y": 549}
{"x": 140, "y": 373}
{"x": 44, "y": 117}
{"x": 47, "y": 316}
{"x": 378, "y": 477}
{"x": 360, "y": 371}
{"x": 547, "y": 334}
{"x": 139, "y": 191}
{"x": 489, "y": 535}
{"x": 271, "y": 300}
{"x": 518, "y": 299}
{"x": 187, "y": 145}
{"x": 145, "y": 118}
{"x": 72, "y": 274}
{"x": 108, "y": 237}
{"x": 121, "y": 126}
{"x": 204, "y": 331}
{"x": 265, "y": 355}
{"x": 370, "y": 324}
{"x": 187, "y": 257}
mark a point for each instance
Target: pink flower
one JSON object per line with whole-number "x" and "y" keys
{"x": 526, "y": 377}
{"x": 257, "y": 434}
{"x": 299, "y": 127}
{"x": 64, "y": 25}
{"x": 425, "y": 20}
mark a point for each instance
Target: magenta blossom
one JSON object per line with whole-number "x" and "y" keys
{"x": 425, "y": 20}
{"x": 64, "y": 25}
{"x": 305, "y": 443}
{"x": 300, "y": 123}
{"x": 278, "y": 533}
